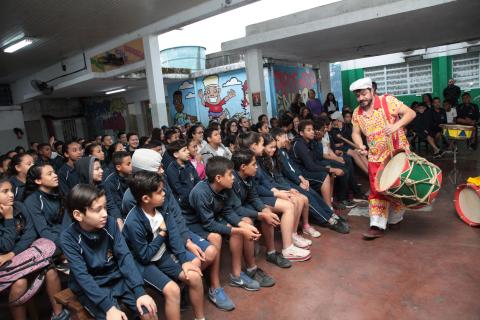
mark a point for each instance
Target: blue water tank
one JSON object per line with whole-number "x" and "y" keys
{"x": 190, "y": 57}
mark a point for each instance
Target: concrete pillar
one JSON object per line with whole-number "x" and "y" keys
{"x": 156, "y": 92}
{"x": 325, "y": 85}
{"x": 256, "y": 82}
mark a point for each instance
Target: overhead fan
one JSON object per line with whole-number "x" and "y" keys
{"x": 42, "y": 87}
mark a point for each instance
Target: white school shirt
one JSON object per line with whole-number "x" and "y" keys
{"x": 452, "y": 114}
{"x": 326, "y": 143}
{"x": 155, "y": 222}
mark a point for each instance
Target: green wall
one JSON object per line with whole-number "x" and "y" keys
{"x": 441, "y": 72}
{"x": 349, "y": 76}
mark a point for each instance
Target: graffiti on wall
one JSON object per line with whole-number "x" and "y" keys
{"x": 218, "y": 96}
{"x": 289, "y": 81}
{"x": 103, "y": 114}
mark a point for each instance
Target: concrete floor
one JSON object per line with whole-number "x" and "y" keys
{"x": 427, "y": 269}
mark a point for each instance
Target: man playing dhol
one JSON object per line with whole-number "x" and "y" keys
{"x": 378, "y": 119}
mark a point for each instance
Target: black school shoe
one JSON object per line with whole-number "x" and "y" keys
{"x": 261, "y": 277}
{"x": 277, "y": 259}
{"x": 340, "y": 226}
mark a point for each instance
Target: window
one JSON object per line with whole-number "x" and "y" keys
{"x": 403, "y": 78}
{"x": 466, "y": 70}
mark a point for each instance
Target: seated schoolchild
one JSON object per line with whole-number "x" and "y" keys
{"x": 210, "y": 212}
{"x": 17, "y": 233}
{"x": 195, "y": 158}
{"x": 103, "y": 273}
{"x": 67, "y": 175}
{"x": 214, "y": 146}
{"x": 204, "y": 252}
{"x": 115, "y": 183}
{"x": 43, "y": 203}
{"x": 89, "y": 170}
{"x": 319, "y": 210}
{"x": 17, "y": 171}
{"x": 158, "y": 248}
{"x": 281, "y": 200}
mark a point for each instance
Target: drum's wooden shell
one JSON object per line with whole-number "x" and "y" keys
{"x": 467, "y": 204}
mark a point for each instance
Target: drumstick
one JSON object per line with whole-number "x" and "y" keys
{"x": 339, "y": 136}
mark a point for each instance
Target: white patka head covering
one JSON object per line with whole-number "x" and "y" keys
{"x": 337, "y": 115}
{"x": 360, "y": 84}
{"x": 146, "y": 159}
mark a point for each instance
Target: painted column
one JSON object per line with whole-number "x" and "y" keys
{"x": 156, "y": 91}
{"x": 325, "y": 85}
{"x": 256, "y": 82}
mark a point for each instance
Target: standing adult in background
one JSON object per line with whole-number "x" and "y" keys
{"x": 451, "y": 93}
{"x": 468, "y": 114}
{"x": 330, "y": 104}
{"x": 313, "y": 104}
{"x": 107, "y": 142}
{"x": 297, "y": 104}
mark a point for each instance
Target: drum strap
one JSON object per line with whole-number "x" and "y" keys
{"x": 395, "y": 138}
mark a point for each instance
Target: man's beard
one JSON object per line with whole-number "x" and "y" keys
{"x": 365, "y": 103}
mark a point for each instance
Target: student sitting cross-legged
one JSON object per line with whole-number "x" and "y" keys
{"x": 157, "y": 246}
{"x": 103, "y": 272}
{"x": 209, "y": 212}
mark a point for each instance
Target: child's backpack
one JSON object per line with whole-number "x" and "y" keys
{"x": 36, "y": 258}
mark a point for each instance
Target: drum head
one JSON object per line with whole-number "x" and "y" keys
{"x": 392, "y": 170}
{"x": 469, "y": 202}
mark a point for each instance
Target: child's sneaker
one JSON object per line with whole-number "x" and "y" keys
{"x": 311, "y": 231}
{"x": 64, "y": 315}
{"x": 278, "y": 259}
{"x": 245, "y": 282}
{"x": 220, "y": 299}
{"x": 299, "y": 241}
{"x": 261, "y": 277}
{"x": 293, "y": 253}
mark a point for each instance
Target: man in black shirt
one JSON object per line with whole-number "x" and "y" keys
{"x": 451, "y": 93}
{"x": 468, "y": 114}
{"x": 438, "y": 116}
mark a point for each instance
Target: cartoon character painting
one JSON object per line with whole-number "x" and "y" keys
{"x": 211, "y": 98}
{"x": 181, "y": 118}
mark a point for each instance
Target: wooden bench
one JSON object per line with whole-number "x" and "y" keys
{"x": 68, "y": 300}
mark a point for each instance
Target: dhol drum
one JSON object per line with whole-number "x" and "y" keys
{"x": 457, "y": 131}
{"x": 409, "y": 179}
{"x": 467, "y": 204}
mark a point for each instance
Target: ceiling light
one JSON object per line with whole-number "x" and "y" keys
{"x": 18, "y": 45}
{"x": 115, "y": 91}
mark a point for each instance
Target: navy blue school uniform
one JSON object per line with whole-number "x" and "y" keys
{"x": 46, "y": 213}
{"x": 102, "y": 269}
{"x": 18, "y": 187}
{"x": 264, "y": 183}
{"x": 244, "y": 198}
{"x": 209, "y": 211}
{"x": 18, "y": 233}
{"x": 182, "y": 179}
{"x": 171, "y": 205}
{"x": 139, "y": 236}
{"x": 318, "y": 209}
{"x": 84, "y": 168}
{"x": 303, "y": 155}
{"x": 67, "y": 179}
{"x": 166, "y": 160}
{"x": 115, "y": 186}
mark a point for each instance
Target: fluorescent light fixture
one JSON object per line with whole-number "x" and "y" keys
{"x": 18, "y": 45}
{"x": 417, "y": 57}
{"x": 115, "y": 91}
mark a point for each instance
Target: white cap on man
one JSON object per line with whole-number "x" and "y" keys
{"x": 360, "y": 84}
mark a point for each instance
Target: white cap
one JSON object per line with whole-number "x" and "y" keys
{"x": 337, "y": 115}
{"x": 146, "y": 159}
{"x": 360, "y": 84}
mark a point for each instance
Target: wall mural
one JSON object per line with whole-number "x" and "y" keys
{"x": 290, "y": 80}
{"x": 217, "y": 96}
{"x": 103, "y": 114}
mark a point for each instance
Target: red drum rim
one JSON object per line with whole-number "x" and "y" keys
{"x": 385, "y": 162}
{"x": 458, "y": 208}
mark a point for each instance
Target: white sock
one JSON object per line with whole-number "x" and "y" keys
{"x": 271, "y": 252}
{"x": 252, "y": 269}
